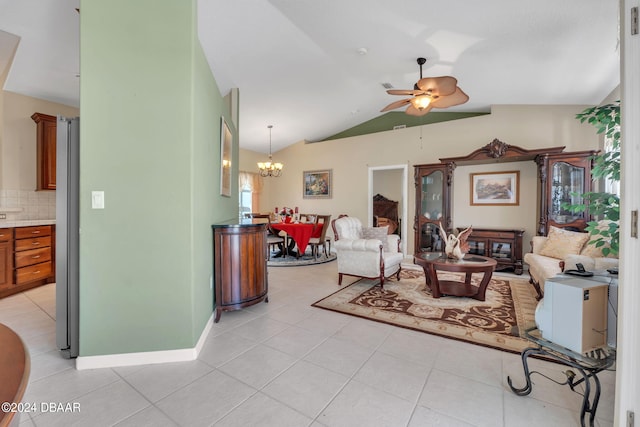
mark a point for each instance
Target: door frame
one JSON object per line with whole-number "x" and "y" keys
{"x": 405, "y": 200}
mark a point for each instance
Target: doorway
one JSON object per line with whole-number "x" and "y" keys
{"x": 392, "y": 180}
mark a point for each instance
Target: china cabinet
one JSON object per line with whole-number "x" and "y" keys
{"x": 563, "y": 178}
{"x": 433, "y": 205}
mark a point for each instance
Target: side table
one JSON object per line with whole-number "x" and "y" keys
{"x": 588, "y": 366}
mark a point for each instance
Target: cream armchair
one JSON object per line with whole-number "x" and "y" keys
{"x": 365, "y": 251}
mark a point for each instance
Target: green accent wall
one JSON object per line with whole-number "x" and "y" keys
{"x": 396, "y": 118}
{"x": 149, "y": 138}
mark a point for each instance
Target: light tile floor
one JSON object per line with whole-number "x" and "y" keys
{"x": 285, "y": 363}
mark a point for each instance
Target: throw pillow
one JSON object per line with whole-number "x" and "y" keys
{"x": 561, "y": 242}
{"x": 591, "y": 250}
{"x": 379, "y": 233}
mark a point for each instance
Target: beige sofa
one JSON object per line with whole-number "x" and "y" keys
{"x": 562, "y": 250}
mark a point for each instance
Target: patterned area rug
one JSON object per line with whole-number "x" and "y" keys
{"x": 305, "y": 259}
{"x": 497, "y": 322}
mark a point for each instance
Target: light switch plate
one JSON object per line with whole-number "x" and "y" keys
{"x": 97, "y": 200}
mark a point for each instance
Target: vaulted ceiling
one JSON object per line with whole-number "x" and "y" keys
{"x": 315, "y": 68}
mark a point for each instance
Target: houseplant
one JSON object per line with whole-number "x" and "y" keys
{"x": 606, "y": 165}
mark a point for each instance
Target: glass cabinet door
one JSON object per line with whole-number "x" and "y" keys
{"x": 430, "y": 239}
{"x": 564, "y": 177}
{"x": 476, "y": 247}
{"x": 432, "y": 200}
{"x": 433, "y": 205}
{"x": 501, "y": 250}
{"x": 567, "y": 186}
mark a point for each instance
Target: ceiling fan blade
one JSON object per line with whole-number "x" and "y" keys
{"x": 439, "y": 86}
{"x": 456, "y": 98}
{"x": 411, "y": 92}
{"x": 413, "y": 111}
{"x": 396, "y": 104}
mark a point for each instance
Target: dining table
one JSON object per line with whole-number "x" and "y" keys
{"x": 301, "y": 233}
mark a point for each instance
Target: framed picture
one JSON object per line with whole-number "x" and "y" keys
{"x": 226, "y": 148}
{"x": 495, "y": 188}
{"x": 317, "y": 184}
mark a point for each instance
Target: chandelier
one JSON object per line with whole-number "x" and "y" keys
{"x": 269, "y": 168}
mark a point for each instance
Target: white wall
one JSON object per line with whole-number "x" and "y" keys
{"x": 388, "y": 183}
{"x": 525, "y": 215}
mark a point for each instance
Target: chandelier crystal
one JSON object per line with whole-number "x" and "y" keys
{"x": 270, "y": 168}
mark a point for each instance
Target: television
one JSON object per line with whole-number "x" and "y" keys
{"x": 576, "y": 312}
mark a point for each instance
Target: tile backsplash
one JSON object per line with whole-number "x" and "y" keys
{"x": 21, "y": 205}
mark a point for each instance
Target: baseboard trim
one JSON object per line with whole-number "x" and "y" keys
{"x": 145, "y": 358}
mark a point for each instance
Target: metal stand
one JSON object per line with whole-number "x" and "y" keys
{"x": 587, "y": 366}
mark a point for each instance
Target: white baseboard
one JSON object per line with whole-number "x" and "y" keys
{"x": 145, "y": 358}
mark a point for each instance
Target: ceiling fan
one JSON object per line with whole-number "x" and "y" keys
{"x": 428, "y": 93}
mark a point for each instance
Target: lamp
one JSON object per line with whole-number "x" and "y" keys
{"x": 421, "y": 102}
{"x": 269, "y": 168}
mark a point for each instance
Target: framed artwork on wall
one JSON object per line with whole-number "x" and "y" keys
{"x": 226, "y": 148}
{"x": 317, "y": 184}
{"x": 495, "y": 188}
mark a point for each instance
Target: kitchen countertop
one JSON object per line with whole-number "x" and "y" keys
{"x": 25, "y": 223}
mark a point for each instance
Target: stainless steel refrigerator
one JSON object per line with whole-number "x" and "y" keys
{"x": 67, "y": 235}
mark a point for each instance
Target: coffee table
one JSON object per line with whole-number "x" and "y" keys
{"x": 432, "y": 262}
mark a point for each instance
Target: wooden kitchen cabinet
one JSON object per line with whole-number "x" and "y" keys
{"x": 32, "y": 258}
{"x": 27, "y": 258}
{"x": 6, "y": 259}
{"x": 46, "y": 151}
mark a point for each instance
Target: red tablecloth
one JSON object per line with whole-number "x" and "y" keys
{"x": 301, "y": 233}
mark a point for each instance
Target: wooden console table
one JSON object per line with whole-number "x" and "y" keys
{"x": 503, "y": 245}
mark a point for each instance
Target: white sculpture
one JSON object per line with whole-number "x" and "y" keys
{"x": 456, "y": 246}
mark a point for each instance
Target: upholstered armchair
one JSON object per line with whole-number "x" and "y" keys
{"x": 365, "y": 251}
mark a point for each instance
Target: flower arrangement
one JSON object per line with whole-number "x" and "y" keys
{"x": 284, "y": 211}
{"x": 286, "y": 214}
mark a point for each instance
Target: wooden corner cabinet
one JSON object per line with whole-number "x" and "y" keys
{"x": 239, "y": 265}
{"x": 505, "y": 246}
{"x": 46, "y": 151}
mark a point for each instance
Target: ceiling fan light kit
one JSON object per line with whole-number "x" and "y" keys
{"x": 270, "y": 168}
{"x": 428, "y": 93}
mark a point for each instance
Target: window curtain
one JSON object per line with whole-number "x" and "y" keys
{"x": 251, "y": 181}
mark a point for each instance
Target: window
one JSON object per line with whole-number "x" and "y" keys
{"x": 245, "y": 201}
{"x": 250, "y": 185}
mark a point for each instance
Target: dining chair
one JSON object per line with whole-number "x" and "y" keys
{"x": 309, "y": 218}
{"x": 273, "y": 239}
{"x": 315, "y": 242}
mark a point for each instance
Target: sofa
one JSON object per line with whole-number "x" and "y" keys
{"x": 561, "y": 250}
